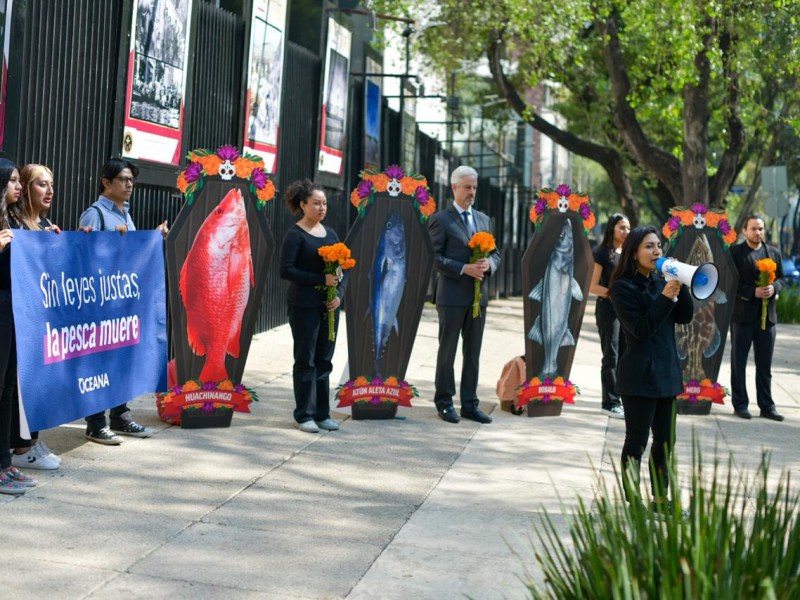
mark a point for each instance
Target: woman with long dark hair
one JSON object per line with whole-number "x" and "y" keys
{"x": 302, "y": 267}
{"x": 11, "y": 480}
{"x": 649, "y": 375}
{"x": 606, "y": 258}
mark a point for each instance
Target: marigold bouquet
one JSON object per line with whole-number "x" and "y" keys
{"x": 766, "y": 275}
{"x": 482, "y": 244}
{"x": 337, "y": 258}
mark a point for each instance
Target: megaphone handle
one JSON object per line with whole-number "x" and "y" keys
{"x": 671, "y": 278}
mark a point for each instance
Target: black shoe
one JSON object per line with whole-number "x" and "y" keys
{"x": 476, "y": 414}
{"x": 133, "y": 429}
{"x": 771, "y": 414}
{"x": 743, "y": 413}
{"x": 449, "y": 414}
{"x": 103, "y": 436}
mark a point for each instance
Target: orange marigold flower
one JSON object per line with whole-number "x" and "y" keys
{"x": 244, "y": 166}
{"x": 576, "y": 200}
{"x": 428, "y": 208}
{"x": 408, "y": 186}
{"x": 190, "y": 386}
{"x": 666, "y": 231}
{"x": 392, "y": 381}
{"x": 713, "y": 219}
{"x": 182, "y": 183}
{"x": 589, "y": 222}
{"x": 768, "y": 266}
{"x": 348, "y": 263}
{"x": 558, "y": 380}
{"x": 266, "y": 193}
{"x": 687, "y": 217}
{"x": 379, "y": 180}
{"x": 483, "y": 241}
{"x": 706, "y": 382}
{"x": 533, "y": 215}
{"x": 360, "y": 381}
{"x": 355, "y": 199}
{"x": 225, "y": 384}
{"x": 730, "y": 237}
{"x": 210, "y": 163}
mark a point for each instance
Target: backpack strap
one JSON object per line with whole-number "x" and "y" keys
{"x": 102, "y": 218}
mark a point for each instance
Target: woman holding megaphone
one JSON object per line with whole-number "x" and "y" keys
{"x": 649, "y": 373}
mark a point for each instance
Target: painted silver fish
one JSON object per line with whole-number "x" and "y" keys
{"x": 388, "y": 283}
{"x": 701, "y": 336}
{"x": 556, "y": 291}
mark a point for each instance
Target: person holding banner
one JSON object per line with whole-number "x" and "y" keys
{"x": 649, "y": 375}
{"x": 111, "y": 213}
{"x": 30, "y": 212}
{"x": 606, "y": 258}
{"x": 12, "y": 482}
{"x": 302, "y": 267}
{"x": 451, "y": 231}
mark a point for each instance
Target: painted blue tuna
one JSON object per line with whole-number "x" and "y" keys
{"x": 556, "y": 291}
{"x": 388, "y": 283}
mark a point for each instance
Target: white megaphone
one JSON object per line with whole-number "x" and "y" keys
{"x": 701, "y": 279}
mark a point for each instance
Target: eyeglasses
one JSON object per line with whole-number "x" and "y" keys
{"x": 126, "y": 180}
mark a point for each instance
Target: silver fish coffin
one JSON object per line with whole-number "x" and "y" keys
{"x": 388, "y": 283}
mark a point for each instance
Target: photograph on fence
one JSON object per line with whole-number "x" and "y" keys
{"x": 157, "y": 79}
{"x": 334, "y": 101}
{"x": 265, "y": 75}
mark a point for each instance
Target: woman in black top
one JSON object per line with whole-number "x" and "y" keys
{"x": 649, "y": 374}
{"x": 11, "y": 480}
{"x": 303, "y": 267}
{"x": 606, "y": 258}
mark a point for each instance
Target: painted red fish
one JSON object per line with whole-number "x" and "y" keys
{"x": 215, "y": 283}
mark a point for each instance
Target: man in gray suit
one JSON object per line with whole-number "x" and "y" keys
{"x": 450, "y": 232}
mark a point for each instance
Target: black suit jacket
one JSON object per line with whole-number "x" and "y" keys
{"x": 649, "y": 366}
{"x": 747, "y": 308}
{"x": 451, "y": 252}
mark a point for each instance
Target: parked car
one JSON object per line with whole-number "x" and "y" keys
{"x": 791, "y": 272}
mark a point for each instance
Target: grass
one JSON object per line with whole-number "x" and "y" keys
{"x": 741, "y": 539}
{"x": 788, "y": 305}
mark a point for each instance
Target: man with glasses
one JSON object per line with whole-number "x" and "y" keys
{"x": 110, "y": 213}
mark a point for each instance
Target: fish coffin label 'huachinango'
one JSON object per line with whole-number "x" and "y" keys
{"x": 701, "y": 343}
{"x": 218, "y": 257}
{"x": 556, "y": 273}
{"x": 387, "y": 287}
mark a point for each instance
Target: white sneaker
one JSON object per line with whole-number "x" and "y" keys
{"x": 44, "y": 450}
{"x": 34, "y": 458}
{"x": 307, "y": 426}
{"x": 328, "y": 424}
{"x": 615, "y": 412}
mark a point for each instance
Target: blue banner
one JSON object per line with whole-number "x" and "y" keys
{"x": 91, "y": 321}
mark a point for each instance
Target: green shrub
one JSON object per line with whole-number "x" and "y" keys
{"x": 788, "y": 305}
{"x": 738, "y": 539}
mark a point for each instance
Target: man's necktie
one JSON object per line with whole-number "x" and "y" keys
{"x": 468, "y": 223}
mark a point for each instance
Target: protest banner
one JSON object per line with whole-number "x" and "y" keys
{"x": 90, "y": 318}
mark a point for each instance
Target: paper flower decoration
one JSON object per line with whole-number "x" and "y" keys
{"x": 698, "y": 216}
{"x": 562, "y": 200}
{"x": 396, "y": 182}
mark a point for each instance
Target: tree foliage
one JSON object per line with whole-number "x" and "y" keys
{"x": 680, "y": 93}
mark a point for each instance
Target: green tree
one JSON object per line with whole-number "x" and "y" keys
{"x": 679, "y": 94}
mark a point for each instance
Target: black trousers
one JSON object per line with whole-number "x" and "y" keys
{"x": 118, "y": 416}
{"x": 8, "y": 376}
{"x": 313, "y": 353}
{"x": 643, "y": 415}
{"x": 455, "y": 321}
{"x": 611, "y": 343}
{"x": 743, "y": 336}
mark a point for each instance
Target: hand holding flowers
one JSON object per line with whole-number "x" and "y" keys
{"x": 337, "y": 258}
{"x": 482, "y": 245}
{"x": 766, "y": 275}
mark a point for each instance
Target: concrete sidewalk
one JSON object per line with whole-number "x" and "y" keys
{"x": 408, "y": 508}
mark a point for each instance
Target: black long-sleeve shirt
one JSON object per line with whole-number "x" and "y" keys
{"x": 302, "y": 266}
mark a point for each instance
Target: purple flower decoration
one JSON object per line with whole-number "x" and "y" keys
{"x": 350, "y": 385}
{"x": 258, "y": 178}
{"x": 394, "y": 172}
{"x": 563, "y": 190}
{"x": 422, "y": 195}
{"x": 674, "y": 223}
{"x": 547, "y": 381}
{"x": 546, "y": 399}
{"x": 365, "y": 188}
{"x": 194, "y": 172}
{"x": 724, "y": 227}
{"x": 693, "y": 382}
{"x": 699, "y": 208}
{"x": 238, "y": 388}
{"x": 375, "y": 400}
{"x": 208, "y": 407}
{"x": 568, "y": 383}
{"x": 376, "y": 381}
{"x": 228, "y": 152}
{"x": 176, "y": 389}
{"x": 584, "y": 211}
{"x": 541, "y": 205}
{"x": 209, "y": 385}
